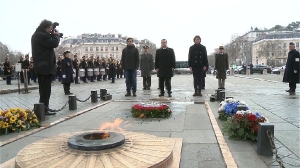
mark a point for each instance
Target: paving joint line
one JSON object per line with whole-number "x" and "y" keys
{"x": 226, "y": 153}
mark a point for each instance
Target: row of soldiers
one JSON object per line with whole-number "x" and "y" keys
{"x": 103, "y": 69}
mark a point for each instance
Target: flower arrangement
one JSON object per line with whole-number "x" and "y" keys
{"x": 17, "y": 119}
{"x": 150, "y": 110}
{"x": 228, "y": 108}
{"x": 243, "y": 125}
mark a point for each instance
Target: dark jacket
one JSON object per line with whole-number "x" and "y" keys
{"x": 221, "y": 65}
{"x": 7, "y": 68}
{"x": 146, "y": 65}
{"x": 292, "y": 64}
{"x": 25, "y": 64}
{"x": 75, "y": 63}
{"x": 197, "y": 56}
{"x": 42, "y": 45}
{"x": 67, "y": 69}
{"x": 130, "y": 58}
{"x": 165, "y": 61}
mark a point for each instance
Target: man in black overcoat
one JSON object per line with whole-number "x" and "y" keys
{"x": 291, "y": 73}
{"x": 198, "y": 63}
{"x": 164, "y": 65}
{"x": 43, "y": 43}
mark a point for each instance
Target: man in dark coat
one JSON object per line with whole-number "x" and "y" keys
{"x": 76, "y": 67}
{"x": 146, "y": 68}
{"x": 130, "y": 64}
{"x": 7, "y": 71}
{"x": 67, "y": 72}
{"x": 43, "y": 43}
{"x": 25, "y": 67}
{"x": 165, "y": 65}
{"x": 221, "y": 65}
{"x": 291, "y": 73}
{"x": 198, "y": 63}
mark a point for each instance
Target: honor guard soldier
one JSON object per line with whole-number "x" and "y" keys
{"x": 58, "y": 68}
{"x": 146, "y": 67}
{"x": 76, "y": 67}
{"x": 83, "y": 65}
{"x": 91, "y": 66}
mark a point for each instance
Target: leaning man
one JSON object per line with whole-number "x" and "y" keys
{"x": 43, "y": 43}
{"x": 291, "y": 73}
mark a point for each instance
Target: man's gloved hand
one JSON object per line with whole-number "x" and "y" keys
{"x": 295, "y": 71}
{"x": 64, "y": 76}
{"x": 74, "y": 75}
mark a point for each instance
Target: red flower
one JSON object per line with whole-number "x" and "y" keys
{"x": 255, "y": 128}
{"x": 251, "y": 117}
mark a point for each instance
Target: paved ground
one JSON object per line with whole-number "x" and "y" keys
{"x": 262, "y": 93}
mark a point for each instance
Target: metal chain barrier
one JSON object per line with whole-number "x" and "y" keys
{"x": 53, "y": 110}
{"x": 274, "y": 149}
{"x": 83, "y": 100}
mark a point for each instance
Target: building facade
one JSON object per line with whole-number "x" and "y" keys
{"x": 272, "y": 48}
{"x": 109, "y": 45}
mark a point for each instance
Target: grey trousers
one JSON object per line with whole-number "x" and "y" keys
{"x": 221, "y": 83}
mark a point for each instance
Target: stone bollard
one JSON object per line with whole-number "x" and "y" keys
{"x": 263, "y": 143}
{"x": 222, "y": 95}
{"x": 264, "y": 72}
{"x": 232, "y": 72}
{"x": 72, "y": 102}
{"x": 248, "y": 72}
{"x": 39, "y": 110}
{"x": 103, "y": 92}
{"x": 107, "y": 97}
{"x": 241, "y": 107}
{"x": 94, "y": 96}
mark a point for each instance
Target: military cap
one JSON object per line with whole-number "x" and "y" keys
{"x": 291, "y": 43}
{"x": 66, "y": 52}
{"x": 145, "y": 47}
{"x": 221, "y": 47}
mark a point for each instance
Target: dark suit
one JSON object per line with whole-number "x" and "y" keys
{"x": 165, "y": 62}
{"x": 67, "y": 70}
{"x": 291, "y": 73}
{"x": 197, "y": 60}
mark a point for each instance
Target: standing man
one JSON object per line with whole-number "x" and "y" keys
{"x": 67, "y": 72}
{"x": 165, "y": 65}
{"x": 221, "y": 65}
{"x": 198, "y": 63}
{"x": 43, "y": 43}
{"x": 130, "y": 64}
{"x": 146, "y": 68}
{"x": 291, "y": 73}
{"x": 7, "y": 70}
{"x": 251, "y": 68}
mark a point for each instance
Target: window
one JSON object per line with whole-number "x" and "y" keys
{"x": 91, "y": 48}
{"x": 117, "y": 56}
{"x": 101, "y": 48}
{"x": 112, "y": 48}
{"x": 297, "y": 44}
{"x": 117, "y": 48}
{"x": 106, "y": 48}
{"x": 284, "y": 44}
{"x": 97, "y": 48}
{"x": 86, "y": 49}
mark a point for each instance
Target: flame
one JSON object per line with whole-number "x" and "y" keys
{"x": 109, "y": 126}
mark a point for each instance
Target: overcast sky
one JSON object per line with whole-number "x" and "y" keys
{"x": 177, "y": 21}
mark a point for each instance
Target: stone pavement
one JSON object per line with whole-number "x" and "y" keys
{"x": 262, "y": 93}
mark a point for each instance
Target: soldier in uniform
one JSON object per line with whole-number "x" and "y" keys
{"x": 76, "y": 67}
{"x": 67, "y": 72}
{"x": 91, "y": 65}
{"x": 31, "y": 70}
{"x": 58, "y": 68}
{"x": 198, "y": 63}
{"x": 83, "y": 65}
{"x": 112, "y": 70}
{"x": 104, "y": 65}
{"x": 221, "y": 65}
{"x": 7, "y": 70}
{"x": 164, "y": 65}
{"x": 21, "y": 73}
{"x": 146, "y": 67}
{"x": 292, "y": 70}
{"x": 97, "y": 66}
{"x": 25, "y": 66}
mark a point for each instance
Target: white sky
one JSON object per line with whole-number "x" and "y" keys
{"x": 177, "y": 21}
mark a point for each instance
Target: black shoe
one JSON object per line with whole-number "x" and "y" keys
{"x": 92, "y": 81}
{"x": 144, "y": 88}
{"x": 148, "y": 88}
{"x": 68, "y": 93}
{"x": 128, "y": 94}
{"x": 203, "y": 88}
{"x": 291, "y": 91}
{"x": 170, "y": 95}
{"x": 50, "y": 113}
{"x": 161, "y": 95}
{"x": 77, "y": 83}
{"x": 85, "y": 82}
{"x": 134, "y": 94}
{"x": 288, "y": 90}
